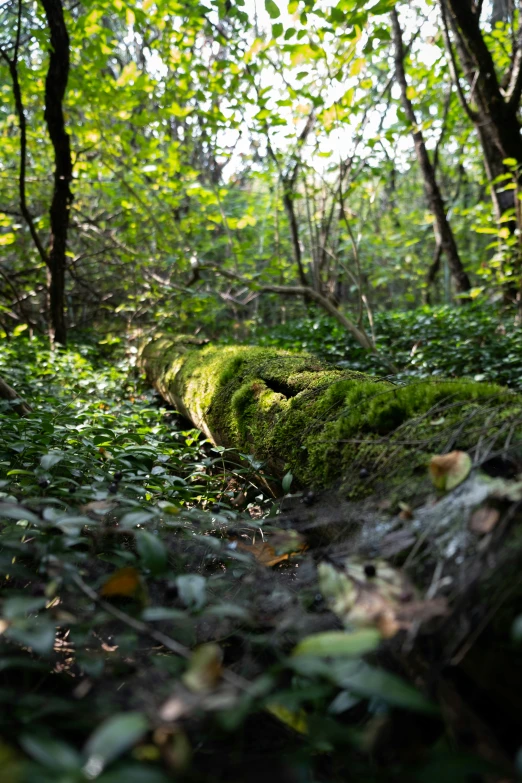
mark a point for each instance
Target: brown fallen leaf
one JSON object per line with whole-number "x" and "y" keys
{"x": 263, "y": 552}
{"x": 124, "y": 582}
{"x": 406, "y": 511}
{"x": 483, "y": 520}
{"x": 205, "y": 668}
{"x": 287, "y": 542}
{"x": 374, "y": 594}
{"x": 282, "y": 546}
{"x": 447, "y": 471}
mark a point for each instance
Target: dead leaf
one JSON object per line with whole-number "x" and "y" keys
{"x": 447, "y": 471}
{"x": 406, "y": 511}
{"x": 263, "y": 552}
{"x": 483, "y": 520}
{"x": 205, "y": 668}
{"x": 283, "y": 545}
{"x": 287, "y": 542}
{"x": 125, "y": 582}
{"x": 175, "y": 747}
{"x": 373, "y": 594}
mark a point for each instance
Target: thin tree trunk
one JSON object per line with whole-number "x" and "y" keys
{"x": 55, "y": 87}
{"x": 433, "y": 271}
{"x": 433, "y": 194}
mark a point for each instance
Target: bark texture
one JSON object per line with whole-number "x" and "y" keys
{"x": 295, "y": 412}
{"x": 492, "y": 102}
{"x": 55, "y": 87}
{"x": 434, "y": 197}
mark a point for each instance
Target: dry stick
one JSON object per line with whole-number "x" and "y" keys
{"x": 171, "y": 644}
{"x": 297, "y": 290}
{"x": 8, "y": 393}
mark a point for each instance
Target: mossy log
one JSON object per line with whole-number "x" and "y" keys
{"x": 461, "y": 550}
{"x": 295, "y": 412}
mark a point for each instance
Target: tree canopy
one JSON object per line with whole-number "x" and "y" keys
{"x": 205, "y": 155}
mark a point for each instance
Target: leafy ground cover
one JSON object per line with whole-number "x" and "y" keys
{"x": 148, "y": 630}
{"x": 473, "y": 341}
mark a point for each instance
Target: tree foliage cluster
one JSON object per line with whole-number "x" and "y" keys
{"x": 194, "y": 158}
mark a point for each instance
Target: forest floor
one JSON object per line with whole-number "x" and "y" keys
{"x": 155, "y": 600}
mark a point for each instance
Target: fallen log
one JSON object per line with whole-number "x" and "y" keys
{"x": 437, "y": 573}
{"x": 296, "y": 413}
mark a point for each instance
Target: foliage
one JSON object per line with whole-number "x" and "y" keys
{"x": 104, "y": 541}
{"x": 220, "y": 151}
{"x": 479, "y": 342}
{"x": 186, "y": 121}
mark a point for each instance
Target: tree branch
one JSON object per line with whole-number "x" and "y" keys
{"x": 514, "y": 88}
{"x": 454, "y": 72}
{"x": 22, "y": 124}
{"x": 8, "y": 393}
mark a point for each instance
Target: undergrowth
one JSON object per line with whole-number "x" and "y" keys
{"x": 473, "y": 341}
{"x": 142, "y": 636}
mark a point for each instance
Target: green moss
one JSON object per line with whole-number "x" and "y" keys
{"x": 295, "y": 412}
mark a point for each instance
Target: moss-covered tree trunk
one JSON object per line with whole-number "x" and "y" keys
{"x": 461, "y": 551}
{"x": 297, "y": 413}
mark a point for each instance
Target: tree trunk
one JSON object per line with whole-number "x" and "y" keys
{"x": 496, "y": 114}
{"x": 55, "y": 86}
{"x": 297, "y": 413}
{"x": 433, "y": 271}
{"x": 435, "y": 201}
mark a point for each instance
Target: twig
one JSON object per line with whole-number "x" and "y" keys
{"x": 138, "y": 625}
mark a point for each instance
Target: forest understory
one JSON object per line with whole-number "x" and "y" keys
{"x": 174, "y": 610}
{"x": 260, "y": 391}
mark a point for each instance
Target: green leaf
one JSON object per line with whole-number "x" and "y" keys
{"x": 50, "y": 752}
{"x": 20, "y": 606}
{"x": 135, "y": 518}
{"x": 37, "y": 634}
{"x": 114, "y": 737}
{"x": 192, "y": 590}
{"x": 14, "y": 511}
{"x": 151, "y": 551}
{"x": 156, "y": 613}
{"x": 371, "y": 682}
{"x": 516, "y": 629}
{"x": 339, "y": 643}
{"x": 287, "y": 482}
{"x": 135, "y": 773}
{"x": 272, "y": 9}
{"x": 52, "y": 458}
